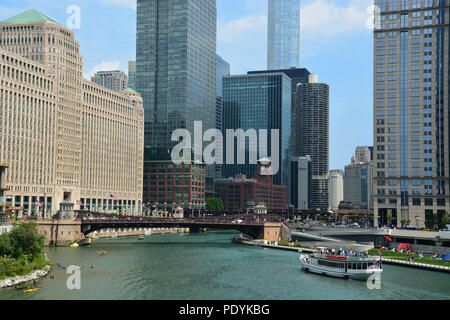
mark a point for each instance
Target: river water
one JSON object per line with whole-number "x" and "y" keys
{"x": 208, "y": 266}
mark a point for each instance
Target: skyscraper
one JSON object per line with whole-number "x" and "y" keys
{"x": 258, "y": 101}
{"x": 222, "y": 70}
{"x": 132, "y": 74}
{"x": 175, "y": 70}
{"x": 300, "y": 187}
{"x": 411, "y": 111}
{"x": 297, "y": 75}
{"x": 335, "y": 189}
{"x": 283, "y": 33}
{"x": 312, "y": 135}
{"x": 113, "y": 80}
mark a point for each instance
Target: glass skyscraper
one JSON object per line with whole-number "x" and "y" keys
{"x": 283, "y": 45}
{"x": 175, "y": 71}
{"x": 175, "y": 68}
{"x": 411, "y": 112}
{"x": 258, "y": 101}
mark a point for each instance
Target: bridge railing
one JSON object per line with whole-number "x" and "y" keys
{"x": 252, "y": 219}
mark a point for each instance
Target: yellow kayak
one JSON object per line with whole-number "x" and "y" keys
{"x": 31, "y": 290}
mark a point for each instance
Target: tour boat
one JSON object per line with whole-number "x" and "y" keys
{"x": 347, "y": 267}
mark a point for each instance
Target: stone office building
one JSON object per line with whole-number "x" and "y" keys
{"x": 63, "y": 138}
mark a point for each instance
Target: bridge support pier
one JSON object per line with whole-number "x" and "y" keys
{"x": 272, "y": 232}
{"x": 60, "y": 232}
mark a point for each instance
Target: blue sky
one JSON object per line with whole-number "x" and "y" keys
{"x": 335, "y": 43}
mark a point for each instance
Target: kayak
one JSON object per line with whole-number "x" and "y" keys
{"x": 31, "y": 290}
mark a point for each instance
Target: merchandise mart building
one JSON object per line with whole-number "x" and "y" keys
{"x": 64, "y": 139}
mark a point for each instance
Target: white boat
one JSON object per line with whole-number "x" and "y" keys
{"x": 347, "y": 267}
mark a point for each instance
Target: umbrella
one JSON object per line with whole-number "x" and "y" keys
{"x": 446, "y": 257}
{"x": 390, "y": 240}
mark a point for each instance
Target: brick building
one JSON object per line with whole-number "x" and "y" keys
{"x": 236, "y": 192}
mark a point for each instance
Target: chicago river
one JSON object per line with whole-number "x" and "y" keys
{"x": 204, "y": 266}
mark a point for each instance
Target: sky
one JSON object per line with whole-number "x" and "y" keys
{"x": 335, "y": 43}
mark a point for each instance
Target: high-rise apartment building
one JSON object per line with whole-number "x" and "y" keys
{"x": 132, "y": 74}
{"x": 63, "y": 138}
{"x": 335, "y": 189}
{"x": 113, "y": 80}
{"x": 254, "y": 102}
{"x": 283, "y": 34}
{"x": 411, "y": 111}
{"x": 175, "y": 71}
{"x": 312, "y": 135}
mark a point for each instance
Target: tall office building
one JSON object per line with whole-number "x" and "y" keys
{"x": 113, "y": 80}
{"x": 297, "y": 75}
{"x": 411, "y": 111}
{"x": 312, "y": 135}
{"x": 363, "y": 154}
{"x": 258, "y": 101}
{"x": 63, "y": 138}
{"x": 132, "y": 74}
{"x": 335, "y": 189}
{"x": 300, "y": 187}
{"x": 283, "y": 34}
{"x": 222, "y": 70}
{"x": 175, "y": 72}
{"x": 358, "y": 181}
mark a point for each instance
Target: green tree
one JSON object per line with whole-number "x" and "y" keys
{"x": 430, "y": 219}
{"x": 214, "y": 203}
{"x": 442, "y": 219}
{"x": 22, "y": 241}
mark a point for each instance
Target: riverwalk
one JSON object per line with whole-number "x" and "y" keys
{"x": 386, "y": 260}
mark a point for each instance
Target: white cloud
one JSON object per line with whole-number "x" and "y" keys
{"x": 104, "y": 66}
{"x": 325, "y": 18}
{"x": 241, "y": 28}
{"x": 121, "y": 3}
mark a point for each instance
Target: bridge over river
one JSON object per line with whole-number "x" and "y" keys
{"x": 65, "y": 231}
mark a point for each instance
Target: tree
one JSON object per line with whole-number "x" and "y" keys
{"x": 430, "y": 219}
{"x": 214, "y": 203}
{"x": 442, "y": 219}
{"x": 22, "y": 241}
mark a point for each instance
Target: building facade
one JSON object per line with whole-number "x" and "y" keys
{"x": 363, "y": 154}
{"x": 176, "y": 72}
{"x": 222, "y": 70}
{"x": 358, "y": 181}
{"x": 300, "y": 188}
{"x": 411, "y": 111}
{"x": 171, "y": 184}
{"x": 312, "y": 135}
{"x": 283, "y": 34}
{"x": 335, "y": 189}
{"x": 237, "y": 192}
{"x": 297, "y": 75}
{"x": 132, "y": 75}
{"x": 113, "y": 80}
{"x": 62, "y": 137}
{"x": 255, "y": 102}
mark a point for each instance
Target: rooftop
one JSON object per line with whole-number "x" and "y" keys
{"x": 29, "y": 16}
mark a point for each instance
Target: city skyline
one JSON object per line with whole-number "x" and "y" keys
{"x": 243, "y": 25}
